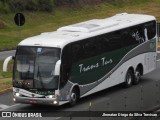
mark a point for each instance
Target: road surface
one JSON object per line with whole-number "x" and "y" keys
{"x": 5, "y": 54}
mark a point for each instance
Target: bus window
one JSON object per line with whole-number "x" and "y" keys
{"x": 102, "y": 44}
{"x": 137, "y": 34}
{"x": 113, "y": 41}
{"x": 77, "y": 51}
{"x": 89, "y": 48}
{"x": 151, "y": 29}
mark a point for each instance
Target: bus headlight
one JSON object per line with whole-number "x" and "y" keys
{"x": 55, "y": 102}
{"x": 14, "y": 99}
{"x": 17, "y": 94}
{"x": 50, "y": 96}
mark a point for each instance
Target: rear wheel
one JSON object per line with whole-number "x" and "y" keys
{"x": 137, "y": 76}
{"x": 128, "y": 79}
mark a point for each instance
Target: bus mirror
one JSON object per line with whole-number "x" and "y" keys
{"x": 6, "y": 61}
{"x": 57, "y": 67}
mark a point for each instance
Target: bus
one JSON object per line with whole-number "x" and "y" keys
{"x": 77, "y": 60}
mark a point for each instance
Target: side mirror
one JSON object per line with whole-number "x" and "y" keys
{"x": 57, "y": 67}
{"x": 6, "y": 61}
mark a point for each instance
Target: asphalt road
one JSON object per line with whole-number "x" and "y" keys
{"x": 111, "y": 96}
{"x": 5, "y": 54}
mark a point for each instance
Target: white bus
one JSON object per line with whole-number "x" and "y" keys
{"x": 80, "y": 59}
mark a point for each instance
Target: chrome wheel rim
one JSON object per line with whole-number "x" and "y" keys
{"x": 73, "y": 97}
{"x": 138, "y": 76}
{"x": 129, "y": 79}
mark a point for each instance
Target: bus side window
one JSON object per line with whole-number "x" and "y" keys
{"x": 127, "y": 37}
{"x": 125, "y": 33}
{"x": 77, "y": 51}
{"x": 89, "y": 48}
{"x": 114, "y": 39}
{"x": 136, "y": 35}
{"x": 151, "y": 29}
{"x": 103, "y": 44}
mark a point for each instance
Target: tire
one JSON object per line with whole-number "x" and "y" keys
{"x": 128, "y": 79}
{"x": 73, "y": 97}
{"x": 137, "y": 76}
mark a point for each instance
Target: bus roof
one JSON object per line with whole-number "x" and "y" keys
{"x": 82, "y": 30}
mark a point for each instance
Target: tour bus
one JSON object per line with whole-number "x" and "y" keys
{"x": 77, "y": 60}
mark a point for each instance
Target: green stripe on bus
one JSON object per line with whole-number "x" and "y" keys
{"x": 92, "y": 69}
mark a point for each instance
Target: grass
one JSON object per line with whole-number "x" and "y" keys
{"x": 5, "y": 84}
{"x": 5, "y": 78}
{"x": 6, "y": 74}
{"x": 38, "y": 22}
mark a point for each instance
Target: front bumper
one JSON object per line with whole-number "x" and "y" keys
{"x": 43, "y": 101}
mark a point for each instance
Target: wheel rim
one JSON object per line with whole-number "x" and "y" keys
{"x": 129, "y": 79}
{"x": 138, "y": 76}
{"x": 73, "y": 97}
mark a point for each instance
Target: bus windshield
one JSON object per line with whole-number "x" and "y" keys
{"x": 34, "y": 67}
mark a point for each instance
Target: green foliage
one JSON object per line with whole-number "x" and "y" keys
{"x": 46, "y": 5}
{"x": 28, "y": 5}
{"x": 41, "y": 5}
{"x": 123, "y": 3}
{"x": 4, "y": 7}
{"x": 7, "y": 6}
{"x": 64, "y": 2}
{"x": 76, "y": 3}
{"x": 39, "y": 21}
{"x": 32, "y": 5}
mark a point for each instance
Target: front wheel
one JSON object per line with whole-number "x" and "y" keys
{"x": 128, "y": 79}
{"x": 73, "y": 97}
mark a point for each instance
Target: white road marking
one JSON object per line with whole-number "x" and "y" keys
{"x": 2, "y": 106}
{"x": 158, "y": 60}
{"x": 58, "y": 118}
{"x": 9, "y": 107}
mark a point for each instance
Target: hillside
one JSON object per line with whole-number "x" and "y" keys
{"x": 40, "y": 21}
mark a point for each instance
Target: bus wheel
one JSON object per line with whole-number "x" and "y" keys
{"x": 137, "y": 76}
{"x": 128, "y": 79}
{"x": 73, "y": 97}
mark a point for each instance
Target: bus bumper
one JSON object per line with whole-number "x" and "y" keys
{"x": 42, "y": 101}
